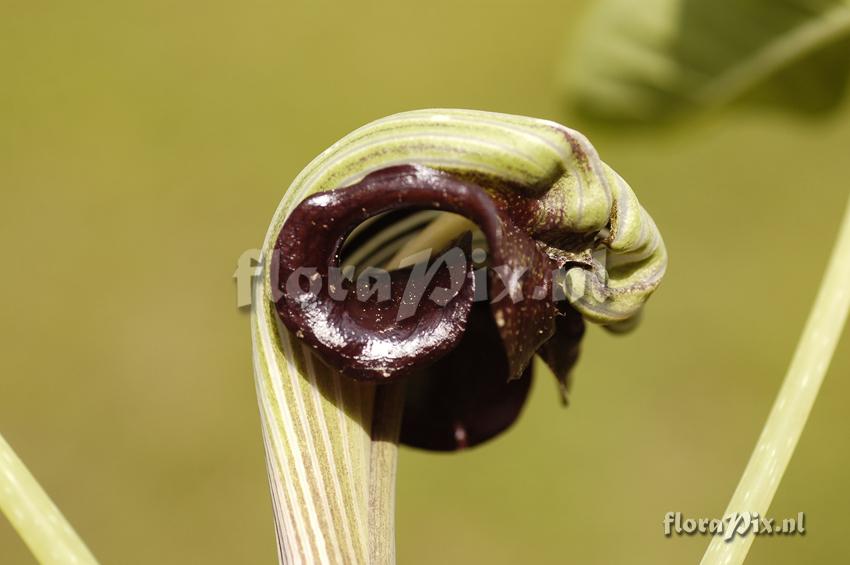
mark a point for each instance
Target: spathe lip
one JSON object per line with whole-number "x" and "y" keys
{"x": 344, "y": 334}
{"x": 459, "y": 357}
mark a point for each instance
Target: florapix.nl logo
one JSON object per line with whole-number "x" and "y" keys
{"x": 739, "y": 524}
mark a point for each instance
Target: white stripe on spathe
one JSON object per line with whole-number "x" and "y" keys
{"x": 335, "y": 472}
{"x": 318, "y": 446}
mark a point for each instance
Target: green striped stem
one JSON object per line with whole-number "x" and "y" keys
{"x": 796, "y": 398}
{"x": 37, "y": 520}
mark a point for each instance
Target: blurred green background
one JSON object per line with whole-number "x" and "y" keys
{"x": 144, "y": 147}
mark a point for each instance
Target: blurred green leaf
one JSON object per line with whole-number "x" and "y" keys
{"x": 648, "y": 60}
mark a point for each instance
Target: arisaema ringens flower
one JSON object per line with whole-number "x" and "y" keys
{"x": 413, "y": 271}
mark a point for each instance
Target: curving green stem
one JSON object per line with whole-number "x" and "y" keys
{"x": 792, "y": 407}
{"x": 41, "y": 525}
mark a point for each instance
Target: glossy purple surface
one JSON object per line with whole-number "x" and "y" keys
{"x": 467, "y": 363}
